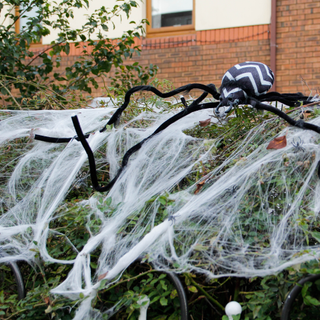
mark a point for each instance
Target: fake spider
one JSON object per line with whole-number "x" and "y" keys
{"x": 297, "y": 146}
{"x": 232, "y": 190}
{"x": 245, "y": 83}
{"x": 172, "y": 218}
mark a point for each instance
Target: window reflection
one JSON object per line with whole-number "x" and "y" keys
{"x": 169, "y": 13}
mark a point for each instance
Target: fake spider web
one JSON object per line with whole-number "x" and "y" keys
{"x": 256, "y": 213}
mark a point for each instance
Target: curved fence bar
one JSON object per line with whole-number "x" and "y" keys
{"x": 285, "y": 315}
{"x": 184, "y": 312}
{"x": 174, "y": 279}
{"x": 19, "y": 280}
{"x": 18, "y": 277}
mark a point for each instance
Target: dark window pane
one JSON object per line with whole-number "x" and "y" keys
{"x": 168, "y": 13}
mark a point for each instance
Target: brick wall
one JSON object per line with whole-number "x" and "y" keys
{"x": 298, "y": 51}
{"x": 205, "y": 55}
{"x": 210, "y": 53}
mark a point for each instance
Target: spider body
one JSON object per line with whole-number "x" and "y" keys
{"x": 247, "y": 79}
{"x": 297, "y": 146}
{"x": 232, "y": 190}
{"x": 172, "y": 218}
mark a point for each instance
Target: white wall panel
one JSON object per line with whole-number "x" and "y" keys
{"x": 218, "y": 14}
{"x": 209, "y": 14}
{"x": 122, "y": 24}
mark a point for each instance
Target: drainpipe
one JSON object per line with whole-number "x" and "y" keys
{"x": 273, "y": 41}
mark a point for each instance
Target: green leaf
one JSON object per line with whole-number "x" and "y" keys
{"x": 164, "y": 301}
{"x": 308, "y": 300}
{"x": 4, "y": 307}
{"x": 316, "y": 235}
{"x": 48, "y": 310}
{"x": 105, "y": 27}
{"x": 305, "y": 288}
{"x": 192, "y": 289}
{"x": 67, "y": 49}
{"x": 173, "y": 294}
{"x": 154, "y": 299}
{"x": 199, "y": 247}
{"x": 162, "y": 201}
{"x": 256, "y": 311}
{"x": 163, "y": 285}
{"x": 108, "y": 201}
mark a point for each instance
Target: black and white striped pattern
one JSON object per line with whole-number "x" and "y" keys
{"x": 255, "y": 78}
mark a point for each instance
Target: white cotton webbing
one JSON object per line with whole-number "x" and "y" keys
{"x": 251, "y": 218}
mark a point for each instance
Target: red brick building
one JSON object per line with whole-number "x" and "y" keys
{"x": 289, "y": 44}
{"x": 296, "y": 55}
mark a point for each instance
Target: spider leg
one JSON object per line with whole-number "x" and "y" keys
{"x": 217, "y": 108}
{"x": 289, "y": 99}
{"x": 184, "y": 102}
{"x": 210, "y": 88}
{"x": 229, "y": 108}
{"x": 56, "y": 140}
{"x": 294, "y": 143}
{"x": 296, "y": 123}
{"x": 194, "y": 106}
{"x": 172, "y": 219}
{"x": 232, "y": 104}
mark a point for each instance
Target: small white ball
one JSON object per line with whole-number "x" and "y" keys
{"x": 233, "y": 308}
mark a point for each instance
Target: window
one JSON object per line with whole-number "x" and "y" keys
{"x": 170, "y": 17}
{"x": 22, "y": 23}
{"x": 26, "y": 15}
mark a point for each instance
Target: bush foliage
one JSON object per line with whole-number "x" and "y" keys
{"x": 41, "y": 87}
{"x": 28, "y": 71}
{"x": 261, "y": 298}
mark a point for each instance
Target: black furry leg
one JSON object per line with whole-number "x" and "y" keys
{"x": 210, "y": 88}
{"x": 290, "y": 99}
{"x": 194, "y": 106}
{"x": 296, "y": 123}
